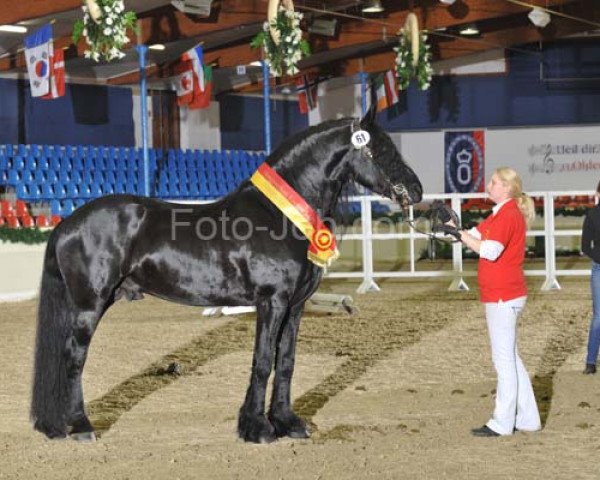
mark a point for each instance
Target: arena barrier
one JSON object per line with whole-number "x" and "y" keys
{"x": 457, "y": 274}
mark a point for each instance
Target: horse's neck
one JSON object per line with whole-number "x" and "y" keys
{"x": 316, "y": 168}
{"x": 319, "y": 182}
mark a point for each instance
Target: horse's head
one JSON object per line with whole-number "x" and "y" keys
{"x": 378, "y": 165}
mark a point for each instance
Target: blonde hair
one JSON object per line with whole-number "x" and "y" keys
{"x": 525, "y": 203}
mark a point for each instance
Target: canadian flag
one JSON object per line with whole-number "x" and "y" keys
{"x": 184, "y": 83}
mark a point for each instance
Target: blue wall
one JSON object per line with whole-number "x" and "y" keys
{"x": 519, "y": 98}
{"x": 242, "y": 122}
{"x": 86, "y": 115}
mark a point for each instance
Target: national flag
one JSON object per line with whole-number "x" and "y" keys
{"x": 379, "y": 86}
{"x": 57, "y": 75}
{"x": 202, "y": 99}
{"x": 37, "y": 54}
{"x": 196, "y": 56}
{"x": 391, "y": 88}
{"x": 184, "y": 83}
{"x": 307, "y": 93}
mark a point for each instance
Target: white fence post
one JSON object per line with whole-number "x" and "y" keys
{"x": 551, "y": 283}
{"x": 368, "y": 284}
{"x": 458, "y": 282}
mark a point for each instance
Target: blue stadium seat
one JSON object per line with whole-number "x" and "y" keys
{"x": 95, "y": 190}
{"x": 77, "y": 164}
{"x": 47, "y": 150}
{"x": 3, "y": 162}
{"x": 72, "y": 190}
{"x": 13, "y": 177}
{"x": 51, "y": 176}
{"x": 67, "y": 207}
{"x": 30, "y": 162}
{"x": 80, "y": 202}
{"x": 76, "y": 176}
{"x": 39, "y": 176}
{"x": 35, "y": 150}
{"x": 55, "y": 207}
{"x": 55, "y": 164}
{"x": 102, "y": 164}
{"x": 108, "y": 188}
{"x": 47, "y": 191}
{"x": 9, "y": 150}
{"x": 43, "y": 163}
{"x": 120, "y": 187}
{"x": 18, "y": 163}
{"x": 84, "y": 190}
{"x": 60, "y": 190}
{"x": 22, "y": 150}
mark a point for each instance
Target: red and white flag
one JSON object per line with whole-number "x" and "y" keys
{"x": 184, "y": 83}
{"x": 391, "y": 88}
{"x": 57, "y": 75}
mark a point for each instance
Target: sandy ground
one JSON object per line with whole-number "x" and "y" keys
{"x": 390, "y": 393}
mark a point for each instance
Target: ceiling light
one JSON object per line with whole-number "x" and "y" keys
{"x": 469, "y": 30}
{"x": 447, "y": 2}
{"x": 373, "y": 6}
{"x": 540, "y": 18}
{"x": 13, "y": 28}
{"x": 157, "y": 46}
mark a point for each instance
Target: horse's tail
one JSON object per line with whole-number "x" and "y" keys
{"x": 50, "y": 395}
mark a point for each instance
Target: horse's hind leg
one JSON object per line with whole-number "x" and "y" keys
{"x": 253, "y": 425}
{"x": 84, "y": 326}
{"x": 281, "y": 416}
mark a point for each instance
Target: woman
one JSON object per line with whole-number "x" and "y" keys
{"x": 590, "y": 245}
{"x": 500, "y": 242}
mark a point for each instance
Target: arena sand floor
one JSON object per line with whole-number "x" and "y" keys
{"x": 391, "y": 393}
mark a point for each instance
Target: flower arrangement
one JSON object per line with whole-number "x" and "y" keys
{"x": 283, "y": 53}
{"x": 406, "y": 69}
{"x": 104, "y": 26}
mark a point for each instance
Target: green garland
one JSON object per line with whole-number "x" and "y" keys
{"x": 107, "y": 37}
{"x": 30, "y": 236}
{"x": 405, "y": 70}
{"x": 292, "y": 47}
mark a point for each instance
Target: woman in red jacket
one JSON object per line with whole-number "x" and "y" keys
{"x": 500, "y": 242}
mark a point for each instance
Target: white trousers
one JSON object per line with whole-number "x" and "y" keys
{"x": 515, "y": 400}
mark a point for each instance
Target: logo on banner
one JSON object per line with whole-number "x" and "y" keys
{"x": 463, "y": 162}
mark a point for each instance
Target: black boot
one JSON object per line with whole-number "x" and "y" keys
{"x": 590, "y": 369}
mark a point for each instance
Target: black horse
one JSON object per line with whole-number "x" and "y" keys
{"x": 239, "y": 250}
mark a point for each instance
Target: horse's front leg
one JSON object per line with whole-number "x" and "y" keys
{"x": 281, "y": 416}
{"x": 253, "y": 425}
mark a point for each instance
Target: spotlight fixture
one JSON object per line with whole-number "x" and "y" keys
{"x": 447, "y": 2}
{"x": 373, "y": 6}
{"x": 469, "y": 30}
{"x": 157, "y": 46}
{"x": 540, "y": 18}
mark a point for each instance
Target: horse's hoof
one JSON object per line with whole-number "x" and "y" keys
{"x": 256, "y": 429}
{"x": 290, "y": 425}
{"x": 85, "y": 437}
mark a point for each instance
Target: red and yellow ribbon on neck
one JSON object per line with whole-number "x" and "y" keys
{"x": 323, "y": 247}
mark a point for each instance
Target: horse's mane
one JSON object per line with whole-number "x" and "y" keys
{"x": 299, "y": 141}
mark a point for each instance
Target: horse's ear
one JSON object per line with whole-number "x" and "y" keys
{"x": 369, "y": 118}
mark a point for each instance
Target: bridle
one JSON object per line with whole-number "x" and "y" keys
{"x": 399, "y": 190}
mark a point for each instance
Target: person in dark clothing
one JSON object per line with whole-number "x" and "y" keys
{"x": 590, "y": 245}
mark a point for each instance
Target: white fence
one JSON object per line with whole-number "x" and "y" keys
{"x": 369, "y": 275}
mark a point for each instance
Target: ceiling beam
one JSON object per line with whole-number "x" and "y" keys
{"x": 14, "y": 11}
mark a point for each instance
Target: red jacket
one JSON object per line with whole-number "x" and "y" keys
{"x": 503, "y": 279}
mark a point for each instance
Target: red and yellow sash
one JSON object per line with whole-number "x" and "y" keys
{"x": 323, "y": 248}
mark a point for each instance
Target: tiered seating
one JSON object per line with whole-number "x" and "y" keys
{"x": 15, "y": 215}
{"x": 69, "y": 176}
